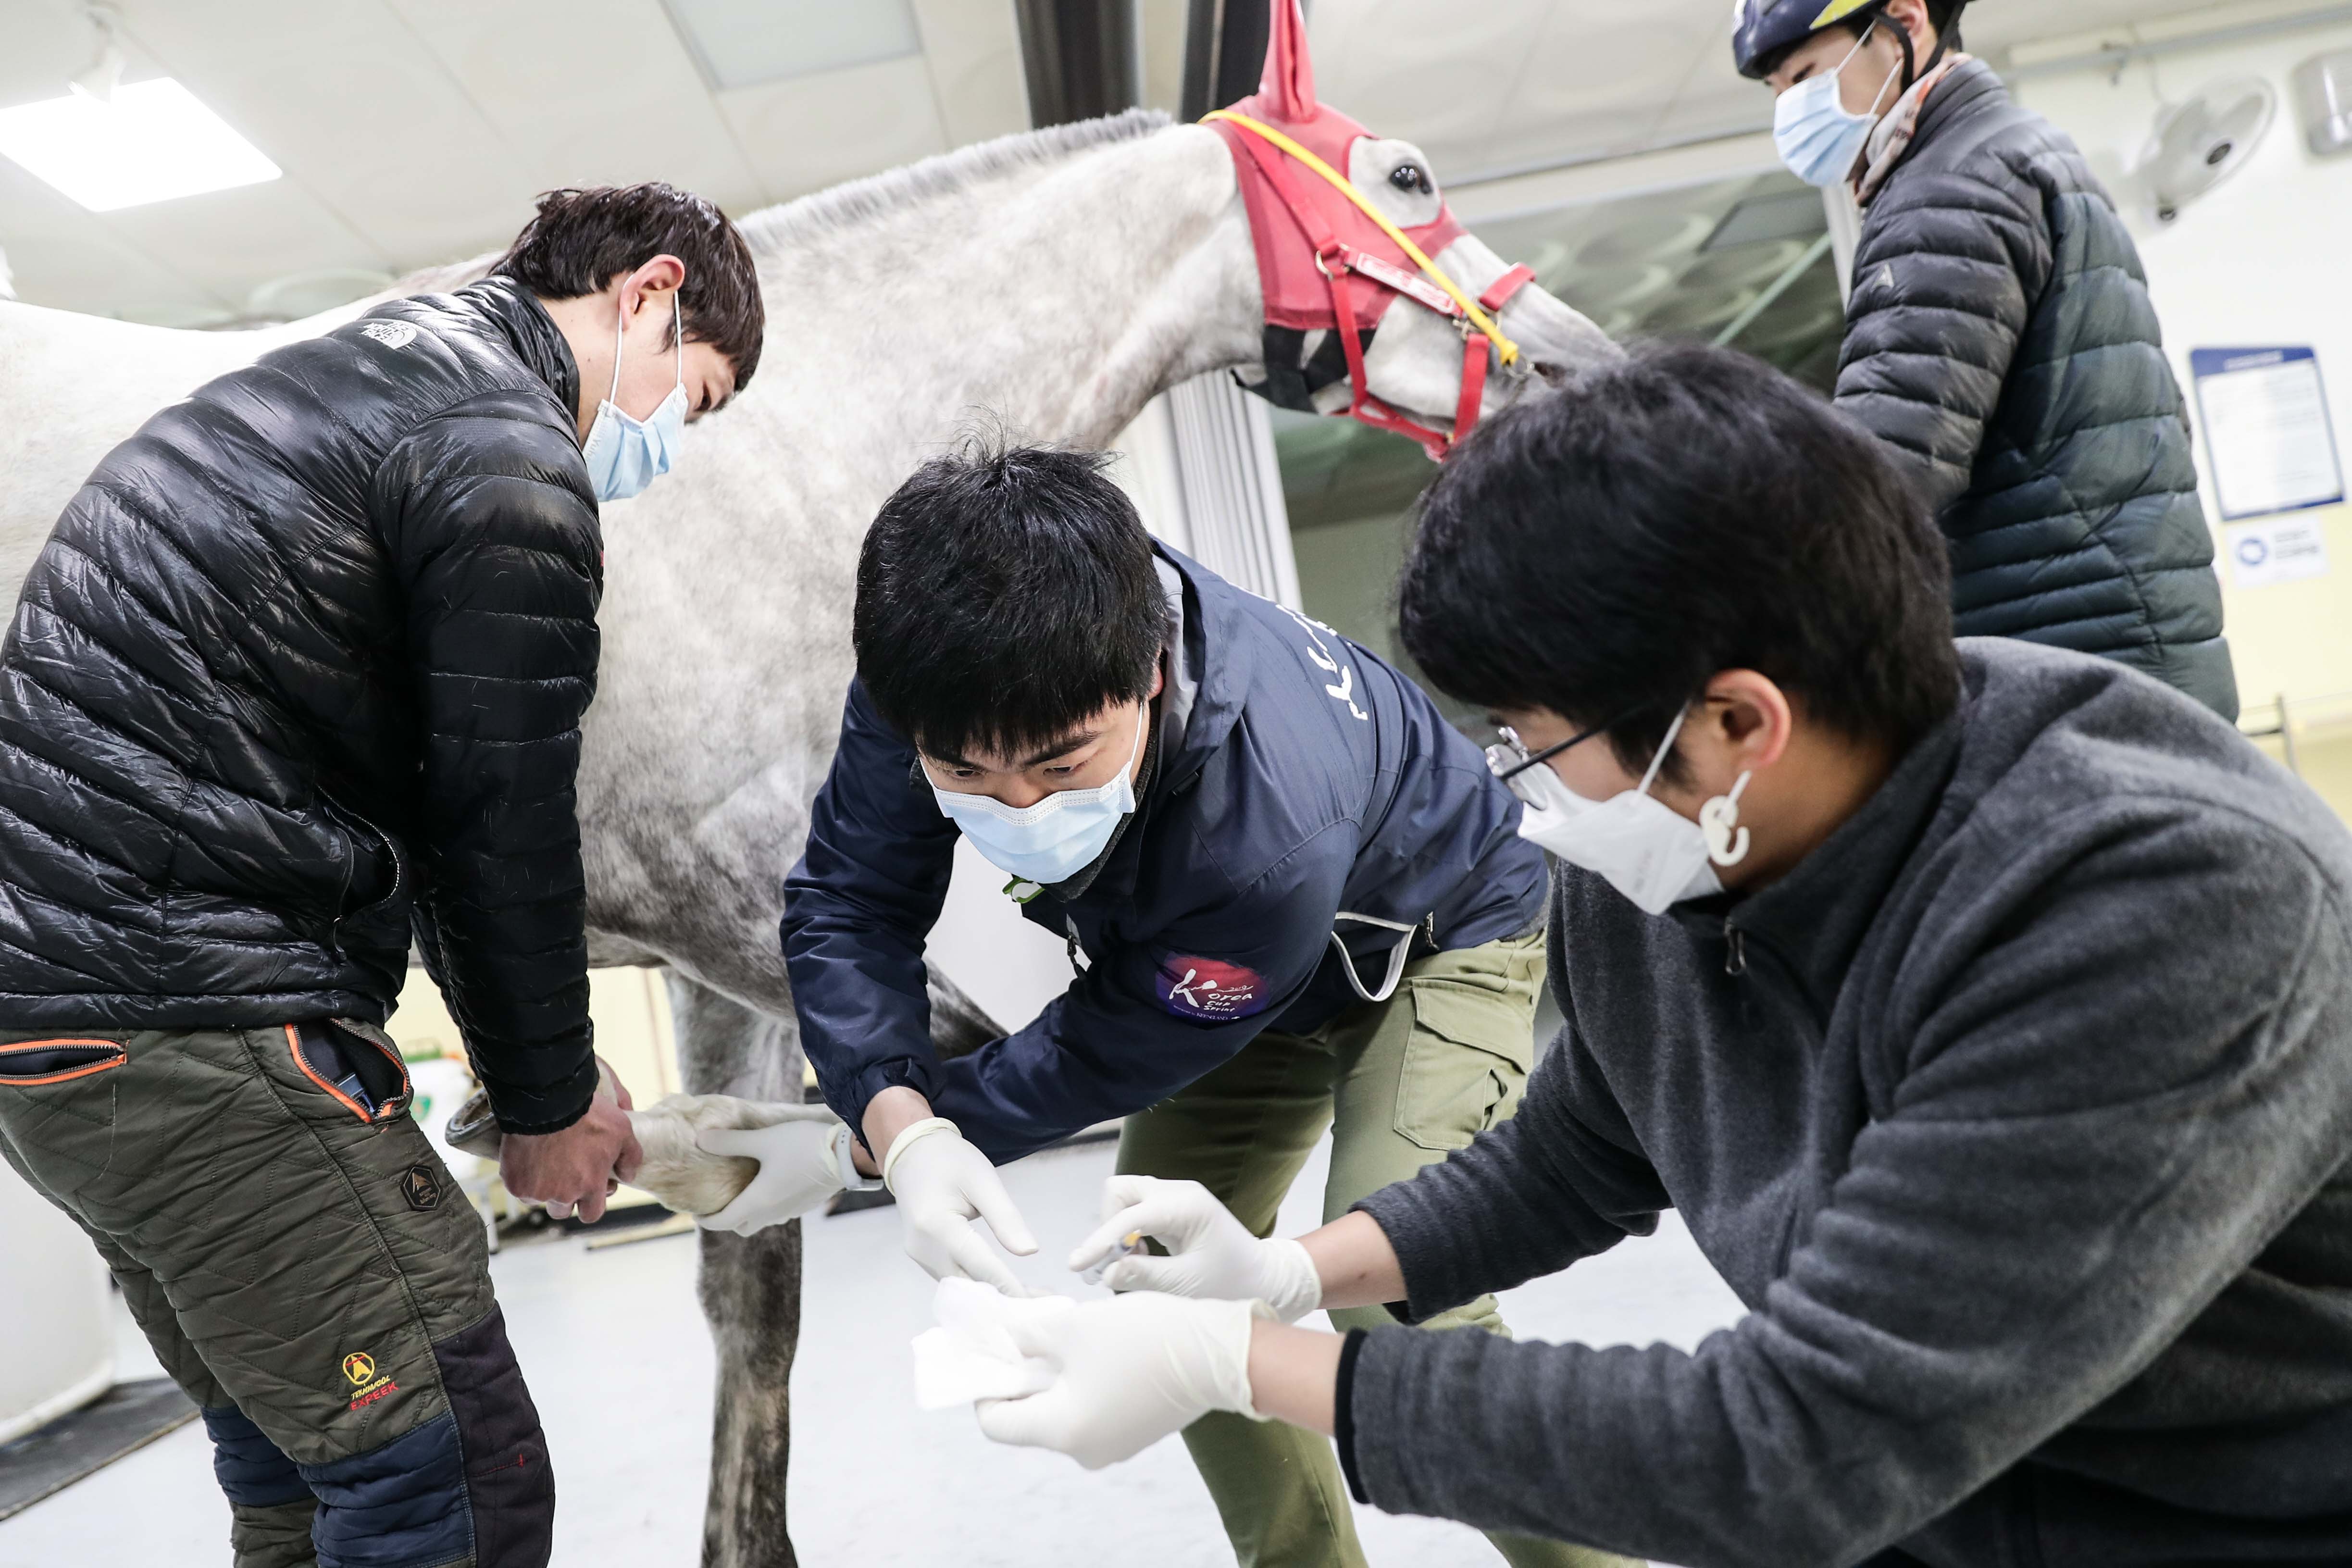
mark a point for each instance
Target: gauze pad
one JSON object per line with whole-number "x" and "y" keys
{"x": 971, "y": 1356}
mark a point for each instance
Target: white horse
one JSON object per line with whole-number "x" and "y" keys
{"x": 1055, "y": 281}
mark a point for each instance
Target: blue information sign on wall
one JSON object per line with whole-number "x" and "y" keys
{"x": 2268, "y": 433}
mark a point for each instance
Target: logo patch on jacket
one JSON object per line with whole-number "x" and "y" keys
{"x": 391, "y": 335}
{"x": 421, "y": 1187}
{"x": 1209, "y": 988}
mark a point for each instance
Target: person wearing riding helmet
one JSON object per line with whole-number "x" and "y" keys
{"x": 2000, "y": 339}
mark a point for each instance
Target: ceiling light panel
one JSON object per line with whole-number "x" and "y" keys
{"x": 743, "y": 42}
{"x": 151, "y": 142}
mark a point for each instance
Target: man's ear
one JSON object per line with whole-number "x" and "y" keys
{"x": 1911, "y": 16}
{"x": 658, "y": 278}
{"x": 1159, "y": 679}
{"x": 1756, "y": 717}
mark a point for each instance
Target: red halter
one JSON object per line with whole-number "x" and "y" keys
{"x": 1324, "y": 263}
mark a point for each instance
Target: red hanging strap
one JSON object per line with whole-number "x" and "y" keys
{"x": 1477, "y": 347}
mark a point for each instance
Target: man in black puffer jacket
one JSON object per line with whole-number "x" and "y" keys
{"x": 301, "y": 670}
{"x": 2001, "y": 340}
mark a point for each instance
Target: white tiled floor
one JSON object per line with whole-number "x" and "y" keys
{"x": 617, "y": 1359}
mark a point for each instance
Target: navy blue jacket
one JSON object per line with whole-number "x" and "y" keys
{"x": 1311, "y": 778}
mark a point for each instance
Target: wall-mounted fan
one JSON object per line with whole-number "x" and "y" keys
{"x": 2201, "y": 142}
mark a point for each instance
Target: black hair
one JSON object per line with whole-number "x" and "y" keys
{"x": 1605, "y": 550}
{"x": 1005, "y": 594}
{"x": 583, "y": 239}
{"x": 1944, "y": 15}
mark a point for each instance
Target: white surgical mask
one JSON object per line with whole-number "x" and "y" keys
{"x": 625, "y": 455}
{"x": 1056, "y": 839}
{"x": 1641, "y": 845}
{"x": 1819, "y": 138}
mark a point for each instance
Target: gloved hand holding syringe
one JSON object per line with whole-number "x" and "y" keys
{"x": 1210, "y": 1253}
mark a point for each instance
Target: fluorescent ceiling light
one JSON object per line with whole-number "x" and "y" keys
{"x": 151, "y": 142}
{"x": 742, "y": 43}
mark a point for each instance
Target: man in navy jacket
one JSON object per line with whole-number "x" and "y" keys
{"x": 1293, "y": 894}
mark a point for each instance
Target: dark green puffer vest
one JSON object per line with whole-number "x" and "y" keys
{"x": 1999, "y": 337}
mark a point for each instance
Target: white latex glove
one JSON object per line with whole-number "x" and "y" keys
{"x": 1210, "y": 1253}
{"x": 942, "y": 1184}
{"x": 1127, "y": 1373}
{"x": 799, "y": 1168}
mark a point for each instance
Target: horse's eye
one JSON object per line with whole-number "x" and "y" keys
{"x": 1411, "y": 177}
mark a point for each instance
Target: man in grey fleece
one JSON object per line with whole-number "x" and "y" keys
{"x": 1994, "y": 1037}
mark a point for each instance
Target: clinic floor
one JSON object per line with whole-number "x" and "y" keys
{"x": 613, "y": 1346}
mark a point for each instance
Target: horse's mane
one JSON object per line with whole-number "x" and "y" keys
{"x": 795, "y": 224}
{"x": 773, "y": 231}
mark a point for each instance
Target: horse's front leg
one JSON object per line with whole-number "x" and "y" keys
{"x": 751, "y": 1286}
{"x": 751, "y": 1290}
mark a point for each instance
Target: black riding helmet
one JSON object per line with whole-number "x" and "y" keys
{"x": 1764, "y": 30}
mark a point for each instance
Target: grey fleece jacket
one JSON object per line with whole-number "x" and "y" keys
{"x": 2018, "y": 1117}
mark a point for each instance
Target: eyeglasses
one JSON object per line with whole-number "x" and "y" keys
{"x": 1510, "y": 761}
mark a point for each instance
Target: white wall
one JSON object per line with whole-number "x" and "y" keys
{"x": 56, "y": 1323}
{"x": 2261, "y": 260}
{"x": 1010, "y": 967}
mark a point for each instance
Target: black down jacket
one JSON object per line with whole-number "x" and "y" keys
{"x": 2000, "y": 336}
{"x": 304, "y": 660}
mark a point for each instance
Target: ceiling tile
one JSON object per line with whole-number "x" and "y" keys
{"x": 799, "y": 133}
{"x": 230, "y": 242}
{"x": 1594, "y": 79}
{"x": 748, "y": 43}
{"x": 1999, "y": 23}
{"x": 589, "y": 92}
{"x": 48, "y": 43}
{"x": 71, "y": 259}
{"x": 973, "y": 51}
{"x": 1424, "y": 71}
{"x": 356, "y": 108}
{"x": 1711, "y": 97}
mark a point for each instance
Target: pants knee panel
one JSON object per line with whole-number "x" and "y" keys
{"x": 507, "y": 1474}
{"x": 403, "y": 1505}
{"x": 273, "y": 1537}
{"x": 252, "y": 1470}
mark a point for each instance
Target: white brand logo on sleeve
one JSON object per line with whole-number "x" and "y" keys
{"x": 391, "y": 335}
{"x": 1342, "y": 691}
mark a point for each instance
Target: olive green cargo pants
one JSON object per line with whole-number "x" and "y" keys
{"x": 308, "y": 1272}
{"x": 1399, "y": 1083}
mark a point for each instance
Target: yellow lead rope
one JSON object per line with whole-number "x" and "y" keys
{"x": 1508, "y": 350}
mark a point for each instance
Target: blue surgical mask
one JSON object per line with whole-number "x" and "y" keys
{"x": 1818, "y": 136}
{"x": 1054, "y": 839}
{"x": 625, "y": 455}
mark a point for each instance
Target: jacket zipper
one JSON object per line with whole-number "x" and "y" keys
{"x": 1736, "y": 964}
{"x": 399, "y": 868}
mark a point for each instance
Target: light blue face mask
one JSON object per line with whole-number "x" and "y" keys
{"x": 1818, "y": 136}
{"x": 625, "y": 455}
{"x": 1056, "y": 839}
